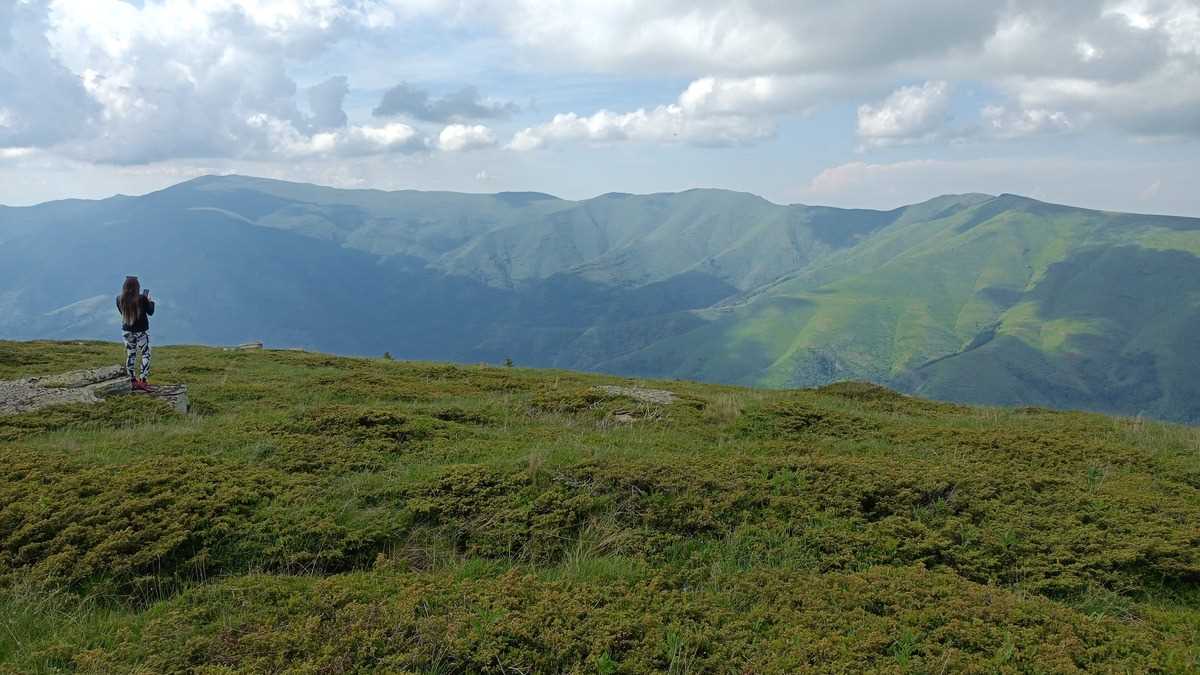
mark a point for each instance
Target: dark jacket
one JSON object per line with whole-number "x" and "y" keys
{"x": 145, "y": 310}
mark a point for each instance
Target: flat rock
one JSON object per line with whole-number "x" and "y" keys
{"x": 659, "y": 396}
{"x": 80, "y": 386}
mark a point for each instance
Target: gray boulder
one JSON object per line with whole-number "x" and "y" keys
{"x": 81, "y": 386}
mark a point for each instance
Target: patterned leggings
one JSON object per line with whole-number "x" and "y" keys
{"x": 133, "y": 342}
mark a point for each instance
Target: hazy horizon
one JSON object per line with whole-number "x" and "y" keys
{"x": 589, "y": 197}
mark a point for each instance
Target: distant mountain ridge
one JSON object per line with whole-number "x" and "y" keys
{"x": 970, "y": 297}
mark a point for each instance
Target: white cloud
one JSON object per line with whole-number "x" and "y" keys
{"x": 759, "y": 95}
{"x": 369, "y": 140}
{"x": 280, "y": 139}
{"x": 41, "y": 102}
{"x": 1000, "y": 122}
{"x": 167, "y": 79}
{"x": 1131, "y": 65}
{"x": 457, "y": 137}
{"x": 145, "y": 83}
{"x": 745, "y": 38}
{"x": 1164, "y": 104}
{"x": 15, "y": 153}
{"x": 662, "y": 124}
{"x": 87, "y": 29}
{"x": 922, "y": 114}
{"x": 1141, "y": 57}
{"x": 908, "y": 115}
{"x": 709, "y": 112}
{"x": 1182, "y": 26}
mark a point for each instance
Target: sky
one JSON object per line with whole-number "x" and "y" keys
{"x": 858, "y": 104}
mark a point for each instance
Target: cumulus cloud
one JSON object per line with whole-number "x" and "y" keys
{"x": 1131, "y": 64}
{"x": 457, "y": 137}
{"x": 710, "y": 112}
{"x": 464, "y": 104}
{"x": 1000, "y": 122}
{"x": 1165, "y": 104}
{"x": 121, "y": 83}
{"x": 15, "y": 153}
{"x": 758, "y": 95}
{"x": 128, "y": 83}
{"x": 921, "y": 114}
{"x": 41, "y": 101}
{"x": 1072, "y": 39}
{"x": 280, "y": 139}
{"x": 662, "y": 124}
{"x": 183, "y": 79}
{"x": 908, "y": 115}
{"x": 751, "y": 37}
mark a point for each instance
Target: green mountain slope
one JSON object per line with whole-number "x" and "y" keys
{"x": 964, "y": 297}
{"x": 513, "y": 238}
{"x": 324, "y": 514}
{"x": 431, "y": 275}
{"x": 1009, "y": 301}
{"x": 1108, "y": 329}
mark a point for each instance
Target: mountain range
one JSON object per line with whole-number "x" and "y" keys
{"x": 974, "y": 298}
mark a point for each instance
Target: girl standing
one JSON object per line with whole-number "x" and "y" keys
{"x": 136, "y": 307}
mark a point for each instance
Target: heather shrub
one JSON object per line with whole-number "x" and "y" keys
{"x": 363, "y": 515}
{"x": 878, "y": 620}
{"x": 118, "y": 412}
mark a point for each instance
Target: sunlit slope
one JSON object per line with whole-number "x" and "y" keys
{"x": 988, "y": 304}
{"x": 738, "y": 238}
{"x": 507, "y": 239}
{"x": 1110, "y": 329}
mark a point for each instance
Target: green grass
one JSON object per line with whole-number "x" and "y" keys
{"x": 323, "y": 514}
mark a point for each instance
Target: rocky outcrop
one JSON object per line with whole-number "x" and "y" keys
{"x": 659, "y": 396}
{"x": 81, "y": 386}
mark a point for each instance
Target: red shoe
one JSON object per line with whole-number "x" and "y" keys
{"x": 141, "y": 385}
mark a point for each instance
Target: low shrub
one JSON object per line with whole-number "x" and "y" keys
{"x": 113, "y": 413}
{"x": 360, "y": 423}
{"x": 141, "y": 529}
{"x": 476, "y": 519}
{"x": 885, "y": 619}
{"x": 791, "y": 419}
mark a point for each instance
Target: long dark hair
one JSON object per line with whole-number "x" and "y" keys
{"x": 130, "y": 303}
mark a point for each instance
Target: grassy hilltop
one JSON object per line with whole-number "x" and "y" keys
{"x": 335, "y": 515}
